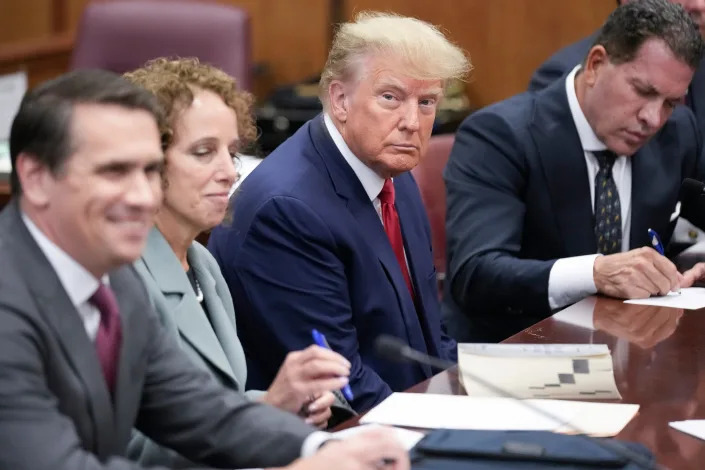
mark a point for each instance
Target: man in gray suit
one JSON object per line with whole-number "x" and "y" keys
{"x": 83, "y": 358}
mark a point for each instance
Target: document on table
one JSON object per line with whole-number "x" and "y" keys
{"x": 406, "y": 437}
{"x": 429, "y": 411}
{"x": 566, "y": 371}
{"x": 694, "y": 427}
{"x": 690, "y": 298}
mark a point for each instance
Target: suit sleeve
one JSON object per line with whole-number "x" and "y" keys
{"x": 34, "y": 434}
{"x": 295, "y": 281}
{"x": 185, "y": 408}
{"x": 485, "y": 182}
{"x": 546, "y": 74}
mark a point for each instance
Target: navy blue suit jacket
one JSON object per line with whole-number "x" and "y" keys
{"x": 563, "y": 61}
{"x": 306, "y": 249}
{"x": 519, "y": 198}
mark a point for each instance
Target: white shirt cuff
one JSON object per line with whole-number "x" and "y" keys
{"x": 570, "y": 280}
{"x": 313, "y": 442}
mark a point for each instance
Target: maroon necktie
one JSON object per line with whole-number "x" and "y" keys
{"x": 390, "y": 219}
{"x": 107, "y": 341}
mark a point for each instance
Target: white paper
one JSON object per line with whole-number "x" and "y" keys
{"x": 565, "y": 371}
{"x": 532, "y": 350}
{"x": 694, "y": 427}
{"x": 429, "y": 411}
{"x": 12, "y": 88}
{"x": 406, "y": 437}
{"x": 690, "y": 298}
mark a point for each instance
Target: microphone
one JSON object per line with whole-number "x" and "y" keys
{"x": 691, "y": 188}
{"x": 394, "y": 349}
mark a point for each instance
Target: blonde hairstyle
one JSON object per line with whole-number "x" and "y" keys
{"x": 173, "y": 82}
{"x": 425, "y": 52}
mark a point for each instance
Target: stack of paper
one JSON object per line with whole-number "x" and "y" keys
{"x": 429, "y": 411}
{"x": 567, "y": 371}
{"x": 690, "y": 298}
{"x": 694, "y": 427}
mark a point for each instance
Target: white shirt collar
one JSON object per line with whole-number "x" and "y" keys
{"x": 78, "y": 283}
{"x": 371, "y": 181}
{"x": 588, "y": 139}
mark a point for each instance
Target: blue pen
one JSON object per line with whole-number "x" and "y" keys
{"x": 658, "y": 246}
{"x": 321, "y": 341}
{"x": 656, "y": 242}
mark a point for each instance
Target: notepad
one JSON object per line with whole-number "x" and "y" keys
{"x": 431, "y": 411}
{"x": 694, "y": 427}
{"x": 565, "y": 371}
{"x": 690, "y": 298}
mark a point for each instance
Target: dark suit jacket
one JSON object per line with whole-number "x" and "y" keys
{"x": 306, "y": 249}
{"x": 563, "y": 61}
{"x": 519, "y": 198}
{"x": 55, "y": 409}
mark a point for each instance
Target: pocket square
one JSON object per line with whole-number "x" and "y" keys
{"x": 676, "y": 212}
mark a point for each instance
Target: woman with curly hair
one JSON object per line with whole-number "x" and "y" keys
{"x": 208, "y": 120}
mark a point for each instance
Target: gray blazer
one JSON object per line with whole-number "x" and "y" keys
{"x": 214, "y": 346}
{"x": 55, "y": 410}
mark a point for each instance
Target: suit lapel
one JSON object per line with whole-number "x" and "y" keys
{"x": 190, "y": 318}
{"x": 126, "y": 394}
{"x": 414, "y": 241}
{"x": 565, "y": 170}
{"x": 60, "y": 314}
{"x": 696, "y": 92}
{"x": 349, "y": 188}
{"x": 221, "y": 321}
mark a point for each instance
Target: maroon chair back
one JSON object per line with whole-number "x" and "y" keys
{"x": 429, "y": 177}
{"x": 121, "y": 35}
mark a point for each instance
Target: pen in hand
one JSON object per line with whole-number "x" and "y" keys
{"x": 658, "y": 246}
{"x": 321, "y": 341}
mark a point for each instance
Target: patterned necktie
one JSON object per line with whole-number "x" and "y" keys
{"x": 608, "y": 211}
{"x": 107, "y": 341}
{"x": 390, "y": 219}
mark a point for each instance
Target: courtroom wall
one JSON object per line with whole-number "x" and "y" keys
{"x": 506, "y": 39}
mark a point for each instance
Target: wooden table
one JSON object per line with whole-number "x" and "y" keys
{"x": 659, "y": 363}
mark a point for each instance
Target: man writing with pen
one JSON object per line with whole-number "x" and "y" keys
{"x": 551, "y": 195}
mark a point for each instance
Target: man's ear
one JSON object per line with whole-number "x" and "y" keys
{"x": 596, "y": 59}
{"x": 338, "y": 100}
{"x": 34, "y": 178}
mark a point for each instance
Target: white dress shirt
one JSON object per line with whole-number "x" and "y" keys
{"x": 571, "y": 279}
{"x": 78, "y": 283}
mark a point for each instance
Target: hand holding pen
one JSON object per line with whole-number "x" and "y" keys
{"x": 304, "y": 382}
{"x": 658, "y": 246}
{"x": 636, "y": 274}
{"x": 321, "y": 341}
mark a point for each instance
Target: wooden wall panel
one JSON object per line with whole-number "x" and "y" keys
{"x": 506, "y": 39}
{"x": 25, "y": 19}
{"x": 289, "y": 38}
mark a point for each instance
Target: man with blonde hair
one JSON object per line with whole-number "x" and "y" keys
{"x": 329, "y": 232}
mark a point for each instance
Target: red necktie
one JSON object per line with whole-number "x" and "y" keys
{"x": 390, "y": 219}
{"x": 107, "y": 341}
